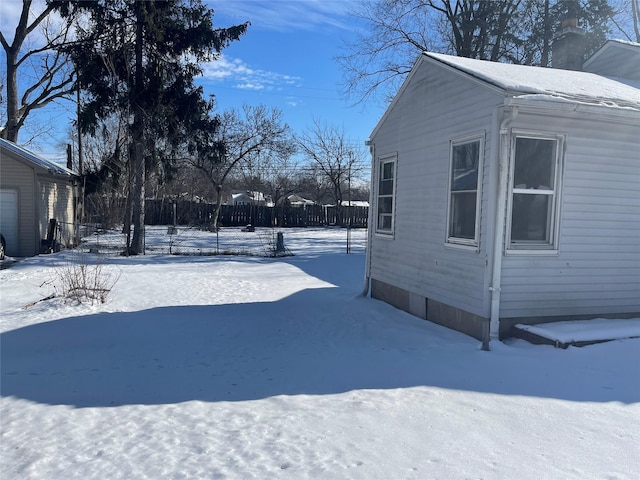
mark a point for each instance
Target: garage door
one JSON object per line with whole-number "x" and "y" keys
{"x": 9, "y": 220}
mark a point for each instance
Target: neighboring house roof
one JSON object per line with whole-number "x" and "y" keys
{"x": 39, "y": 162}
{"x": 253, "y": 197}
{"x": 298, "y": 200}
{"x": 352, "y": 203}
{"x": 617, "y": 58}
{"x": 355, "y": 203}
{"x": 568, "y": 85}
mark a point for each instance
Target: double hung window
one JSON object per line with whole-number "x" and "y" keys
{"x": 534, "y": 185}
{"x": 386, "y": 192}
{"x": 464, "y": 190}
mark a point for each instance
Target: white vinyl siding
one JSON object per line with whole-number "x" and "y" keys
{"x": 596, "y": 269}
{"x": 386, "y": 194}
{"x": 535, "y": 179}
{"x": 15, "y": 175}
{"x": 436, "y": 106}
{"x": 57, "y": 202}
{"x": 589, "y": 263}
{"x": 9, "y": 220}
{"x": 616, "y": 59}
{"x": 464, "y": 190}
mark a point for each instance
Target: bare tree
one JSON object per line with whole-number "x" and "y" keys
{"x": 276, "y": 176}
{"x": 326, "y": 148}
{"x": 627, "y": 19}
{"x": 396, "y": 32}
{"x": 52, "y": 76}
{"x": 251, "y": 135}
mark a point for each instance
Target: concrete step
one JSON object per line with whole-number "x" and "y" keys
{"x": 578, "y": 333}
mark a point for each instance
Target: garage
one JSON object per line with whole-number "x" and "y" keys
{"x": 34, "y": 190}
{"x": 9, "y": 221}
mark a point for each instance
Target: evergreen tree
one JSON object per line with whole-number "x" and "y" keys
{"x": 140, "y": 58}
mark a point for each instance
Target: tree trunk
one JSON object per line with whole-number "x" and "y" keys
{"x": 216, "y": 212}
{"x": 546, "y": 43}
{"x": 11, "y": 131}
{"x": 137, "y": 243}
{"x": 138, "y": 164}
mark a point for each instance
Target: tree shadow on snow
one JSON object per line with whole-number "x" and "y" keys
{"x": 315, "y": 342}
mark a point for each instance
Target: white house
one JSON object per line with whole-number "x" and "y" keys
{"x": 33, "y": 191}
{"x": 251, "y": 198}
{"x": 506, "y": 194}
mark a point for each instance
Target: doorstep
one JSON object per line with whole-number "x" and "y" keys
{"x": 578, "y": 333}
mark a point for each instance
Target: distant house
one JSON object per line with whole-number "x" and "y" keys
{"x": 508, "y": 194}
{"x": 298, "y": 201}
{"x": 33, "y": 191}
{"x": 251, "y": 198}
{"x": 355, "y": 203}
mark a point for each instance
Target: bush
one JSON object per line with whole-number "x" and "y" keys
{"x": 83, "y": 281}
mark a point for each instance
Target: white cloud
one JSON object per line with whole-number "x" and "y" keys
{"x": 286, "y": 14}
{"x": 225, "y": 67}
{"x": 245, "y": 77}
{"x": 249, "y": 86}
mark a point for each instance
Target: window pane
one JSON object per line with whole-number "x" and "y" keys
{"x": 385, "y": 205}
{"x": 531, "y": 217}
{"x": 534, "y": 163}
{"x": 465, "y": 159}
{"x": 387, "y": 170}
{"x": 462, "y": 223}
{"x": 384, "y": 222}
{"x": 386, "y": 187}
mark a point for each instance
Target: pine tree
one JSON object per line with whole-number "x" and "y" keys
{"x": 141, "y": 59}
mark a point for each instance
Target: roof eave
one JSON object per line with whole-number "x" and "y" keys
{"x": 550, "y": 105}
{"x": 425, "y": 57}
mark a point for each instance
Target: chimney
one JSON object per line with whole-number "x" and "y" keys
{"x": 569, "y": 44}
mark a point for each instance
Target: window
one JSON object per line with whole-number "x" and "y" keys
{"x": 534, "y": 192}
{"x": 464, "y": 190}
{"x": 386, "y": 191}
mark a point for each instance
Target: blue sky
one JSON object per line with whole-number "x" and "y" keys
{"x": 286, "y": 60}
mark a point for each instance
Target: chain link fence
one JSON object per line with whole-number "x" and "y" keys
{"x": 261, "y": 242}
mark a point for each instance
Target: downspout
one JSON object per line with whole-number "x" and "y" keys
{"x": 367, "y": 260}
{"x": 501, "y": 206}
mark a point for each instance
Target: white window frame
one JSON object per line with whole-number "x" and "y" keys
{"x": 384, "y": 160}
{"x": 550, "y": 245}
{"x": 459, "y": 241}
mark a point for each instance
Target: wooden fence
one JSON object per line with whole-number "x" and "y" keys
{"x": 166, "y": 212}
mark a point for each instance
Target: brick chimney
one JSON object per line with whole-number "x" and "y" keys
{"x": 569, "y": 44}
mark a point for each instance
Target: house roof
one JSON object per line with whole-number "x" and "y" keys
{"x": 614, "y": 47}
{"x": 40, "y": 162}
{"x": 568, "y": 85}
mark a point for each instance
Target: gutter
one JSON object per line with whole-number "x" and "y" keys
{"x": 555, "y": 105}
{"x": 367, "y": 261}
{"x": 498, "y": 240}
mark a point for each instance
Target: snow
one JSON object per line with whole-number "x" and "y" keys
{"x": 586, "y": 330}
{"x": 242, "y": 367}
{"x": 582, "y": 87}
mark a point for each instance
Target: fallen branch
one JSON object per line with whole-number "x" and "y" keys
{"x": 53, "y": 295}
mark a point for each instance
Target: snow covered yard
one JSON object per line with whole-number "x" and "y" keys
{"x": 203, "y": 367}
